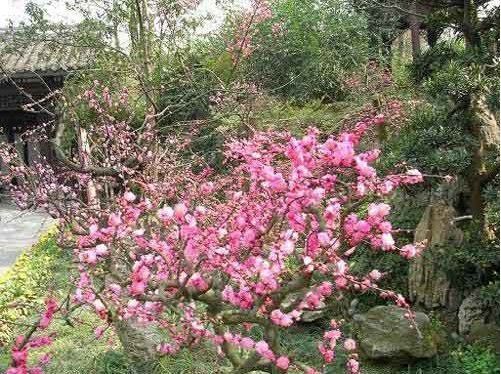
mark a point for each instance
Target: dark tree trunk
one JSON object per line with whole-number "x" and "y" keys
{"x": 470, "y": 23}
{"x": 386, "y": 50}
{"x": 415, "y": 26}
{"x": 485, "y": 128}
{"x": 432, "y": 35}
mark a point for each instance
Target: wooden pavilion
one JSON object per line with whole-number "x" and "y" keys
{"x": 30, "y": 74}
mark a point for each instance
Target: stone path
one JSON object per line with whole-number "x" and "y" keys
{"x": 18, "y": 231}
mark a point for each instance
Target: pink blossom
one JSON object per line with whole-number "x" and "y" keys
{"x": 247, "y": 343}
{"x": 350, "y": 345}
{"x": 325, "y": 289}
{"x": 287, "y": 214}
{"x": 180, "y": 211}
{"x": 98, "y": 331}
{"x": 353, "y": 366}
{"x": 386, "y": 187}
{"x": 281, "y": 319}
{"x": 409, "y": 251}
{"x": 341, "y": 282}
{"x": 375, "y": 275}
{"x": 287, "y": 247}
{"x": 44, "y": 359}
{"x": 282, "y": 362}
{"x": 165, "y": 213}
{"x": 379, "y": 119}
{"x": 307, "y": 260}
{"x": 387, "y": 241}
{"x": 99, "y": 306}
{"x": 114, "y": 220}
{"x": 166, "y": 348}
{"x": 379, "y": 210}
{"x": 341, "y": 267}
{"x": 385, "y": 227}
{"x": 323, "y": 238}
{"x": 89, "y": 257}
{"x": 129, "y": 196}
{"x": 414, "y": 176}
{"x": 198, "y": 282}
{"x": 311, "y": 371}
{"x": 40, "y": 341}
{"x": 261, "y": 347}
{"x": 327, "y": 354}
{"x": 50, "y": 309}
{"x": 207, "y": 188}
{"x": 101, "y": 250}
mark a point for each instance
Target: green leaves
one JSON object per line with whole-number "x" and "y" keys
{"x": 317, "y": 43}
{"x": 433, "y": 142}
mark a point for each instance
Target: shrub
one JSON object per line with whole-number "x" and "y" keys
{"x": 434, "y": 59}
{"x": 433, "y": 141}
{"x": 24, "y": 286}
{"x": 160, "y": 241}
{"x": 184, "y": 88}
{"x": 472, "y": 264}
{"x": 474, "y": 360}
{"x": 300, "y": 52}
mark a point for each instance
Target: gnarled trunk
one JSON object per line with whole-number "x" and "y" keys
{"x": 485, "y": 128}
{"x": 138, "y": 342}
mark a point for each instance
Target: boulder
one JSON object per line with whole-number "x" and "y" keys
{"x": 474, "y": 310}
{"x": 385, "y": 334}
{"x": 429, "y": 285}
{"x": 478, "y": 321}
{"x": 138, "y": 341}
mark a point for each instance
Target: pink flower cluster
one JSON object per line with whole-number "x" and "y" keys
{"x": 254, "y": 247}
{"x": 50, "y": 309}
{"x": 20, "y": 352}
{"x": 287, "y": 201}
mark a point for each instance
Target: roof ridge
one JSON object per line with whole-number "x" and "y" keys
{"x": 41, "y": 56}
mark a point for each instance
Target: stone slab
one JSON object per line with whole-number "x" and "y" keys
{"x": 18, "y": 231}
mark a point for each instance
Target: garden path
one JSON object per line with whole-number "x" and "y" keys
{"x": 18, "y": 231}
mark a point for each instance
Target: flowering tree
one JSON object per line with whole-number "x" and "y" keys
{"x": 159, "y": 239}
{"x": 242, "y": 46}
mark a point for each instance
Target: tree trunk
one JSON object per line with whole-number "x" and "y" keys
{"x": 484, "y": 125}
{"x": 415, "y": 26}
{"x": 485, "y": 128}
{"x": 432, "y": 35}
{"x": 386, "y": 50}
{"x": 85, "y": 160}
{"x": 470, "y": 21}
{"x": 138, "y": 342}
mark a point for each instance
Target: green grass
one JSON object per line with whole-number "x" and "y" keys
{"x": 296, "y": 119}
{"x": 39, "y": 270}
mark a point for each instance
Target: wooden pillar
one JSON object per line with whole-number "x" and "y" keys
{"x": 33, "y": 152}
{"x": 3, "y": 139}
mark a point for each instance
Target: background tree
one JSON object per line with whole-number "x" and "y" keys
{"x": 459, "y": 78}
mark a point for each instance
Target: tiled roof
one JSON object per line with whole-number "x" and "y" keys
{"x": 42, "y": 57}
